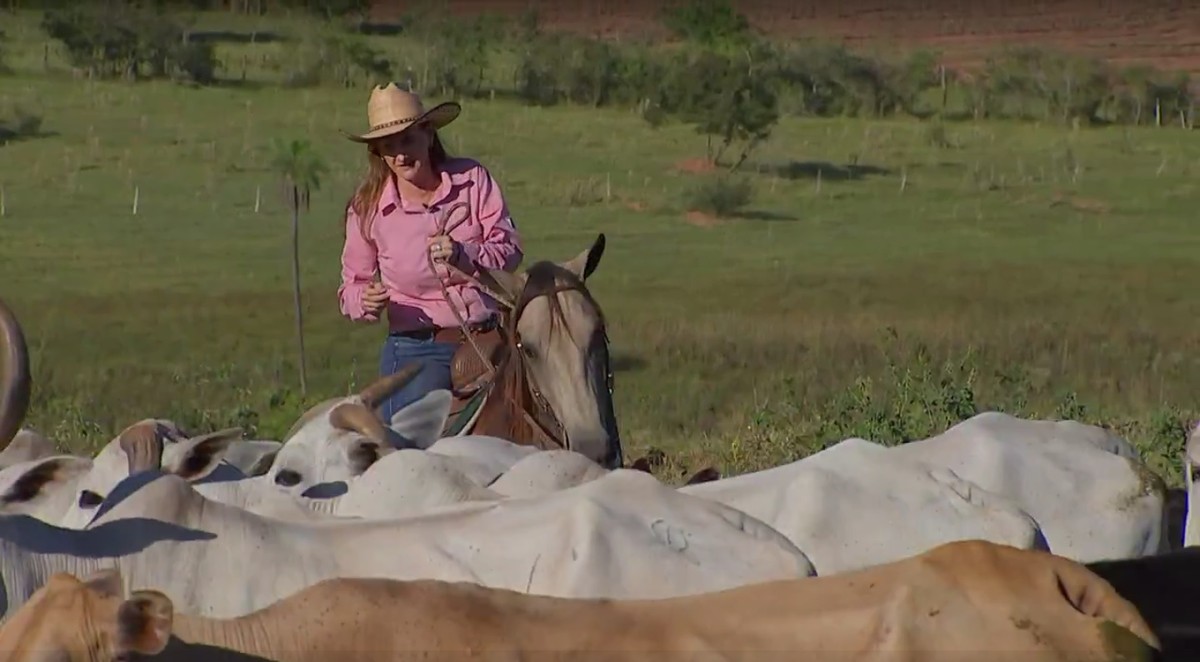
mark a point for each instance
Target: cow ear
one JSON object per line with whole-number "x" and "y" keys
{"x": 421, "y": 423}
{"x": 365, "y": 452}
{"x": 195, "y": 458}
{"x": 144, "y": 623}
{"x": 37, "y": 480}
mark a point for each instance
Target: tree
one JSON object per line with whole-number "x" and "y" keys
{"x": 727, "y": 99}
{"x": 709, "y": 23}
{"x": 300, "y": 168}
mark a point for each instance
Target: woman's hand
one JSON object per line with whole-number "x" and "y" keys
{"x": 374, "y": 298}
{"x": 442, "y": 248}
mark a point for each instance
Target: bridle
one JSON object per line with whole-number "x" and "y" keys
{"x": 543, "y": 421}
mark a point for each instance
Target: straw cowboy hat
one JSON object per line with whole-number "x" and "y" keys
{"x": 392, "y": 110}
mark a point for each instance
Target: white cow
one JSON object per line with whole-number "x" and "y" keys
{"x": 62, "y": 489}
{"x": 44, "y": 488}
{"x": 34, "y": 480}
{"x": 625, "y": 535}
{"x": 546, "y": 472}
{"x": 411, "y": 482}
{"x": 1092, "y": 497}
{"x": 1083, "y": 485}
{"x": 406, "y": 482}
{"x": 1191, "y": 460}
{"x": 854, "y": 505}
{"x": 479, "y": 458}
{"x": 340, "y": 438}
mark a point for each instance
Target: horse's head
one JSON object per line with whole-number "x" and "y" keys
{"x": 556, "y": 331}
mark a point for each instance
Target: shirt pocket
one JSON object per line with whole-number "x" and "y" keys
{"x": 470, "y": 230}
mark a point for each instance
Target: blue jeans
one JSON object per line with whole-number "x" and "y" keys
{"x": 399, "y": 351}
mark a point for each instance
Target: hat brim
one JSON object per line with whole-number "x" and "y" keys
{"x": 438, "y": 116}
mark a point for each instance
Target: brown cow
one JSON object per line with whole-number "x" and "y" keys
{"x": 963, "y": 600}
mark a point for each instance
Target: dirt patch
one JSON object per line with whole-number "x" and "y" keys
{"x": 1080, "y": 204}
{"x": 701, "y": 219}
{"x": 695, "y": 166}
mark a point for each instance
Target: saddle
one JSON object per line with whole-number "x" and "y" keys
{"x": 467, "y": 369}
{"x": 468, "y": 375}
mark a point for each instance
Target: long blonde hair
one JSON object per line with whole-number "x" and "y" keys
{"x": 365, "y": 201}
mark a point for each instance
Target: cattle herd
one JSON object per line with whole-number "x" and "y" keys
{"x": 1001, "y": 537}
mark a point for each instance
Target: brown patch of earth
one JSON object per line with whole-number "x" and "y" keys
{"x": 695, "y": 166}
{"x": 1080, "y": 204}
{"x": 701, "y": 219}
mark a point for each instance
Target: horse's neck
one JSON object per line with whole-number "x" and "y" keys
{"x": 510, "y": 404}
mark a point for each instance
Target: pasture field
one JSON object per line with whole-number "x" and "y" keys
{"x": 926, "y": 273}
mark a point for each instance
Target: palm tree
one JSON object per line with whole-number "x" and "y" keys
{"x": 300, "y": 168}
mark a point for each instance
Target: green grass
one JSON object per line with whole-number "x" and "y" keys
{"x": 1039, "y": 270}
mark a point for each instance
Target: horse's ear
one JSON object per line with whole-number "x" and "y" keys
{"x": 505, "y": 285}
{"x": 585, "y": 263}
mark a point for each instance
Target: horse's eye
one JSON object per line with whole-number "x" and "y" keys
{"x": 529, "y": 352}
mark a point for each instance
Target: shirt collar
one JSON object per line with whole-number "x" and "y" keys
{"x": 390, "y": 200}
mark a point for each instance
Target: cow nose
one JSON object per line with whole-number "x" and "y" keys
{"x": 287, "y": 478}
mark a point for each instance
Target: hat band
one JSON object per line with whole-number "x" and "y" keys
{"x": 405, "y": 120}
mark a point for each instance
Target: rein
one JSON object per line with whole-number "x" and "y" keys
{"x": 517, "y": 377}
{"x": 444, "y": 228}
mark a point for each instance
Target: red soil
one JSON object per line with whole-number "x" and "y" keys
{"x": 695, "y": 166}
{"x": 1161, "y": 33}
{"x": 701, "y": 219}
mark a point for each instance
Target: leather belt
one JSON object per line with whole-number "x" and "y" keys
{"x": 448, "y": 333}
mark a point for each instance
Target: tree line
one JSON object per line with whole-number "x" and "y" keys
{"x": 717, "y": 74}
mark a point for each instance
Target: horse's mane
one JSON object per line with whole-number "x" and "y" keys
{"x": 544, "y": 278}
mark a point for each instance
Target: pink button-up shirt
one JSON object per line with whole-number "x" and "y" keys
{"x": 398, "y": 247}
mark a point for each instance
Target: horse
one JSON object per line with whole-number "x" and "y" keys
{"x": 542, "y": 376}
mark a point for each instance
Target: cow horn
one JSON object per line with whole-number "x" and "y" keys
{"x": 380, "y": 389}
{"x": 143, "y": 446}
{"x": 353, "y": 417}
{"x": 15, "y": 382}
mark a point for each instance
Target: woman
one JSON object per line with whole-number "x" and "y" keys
{"x": 392, "y": 231}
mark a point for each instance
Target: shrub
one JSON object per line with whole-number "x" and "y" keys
{"x": 709, "y": 23}
{"x": 120, "y": 41}
{"x": 1140, "y": 92}
{"x": 833, "y": 81}
{"x": 4, "y": 68}
{"x": 561, "y": 67}
{"x": 457, "y": 54}
{"x": 18, "y": 123}
{"x": 1031, "y": 83}
{"x": 722, "y": 195}
{"x": 729, "y": 102}
{"x": 329, "y": 58}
